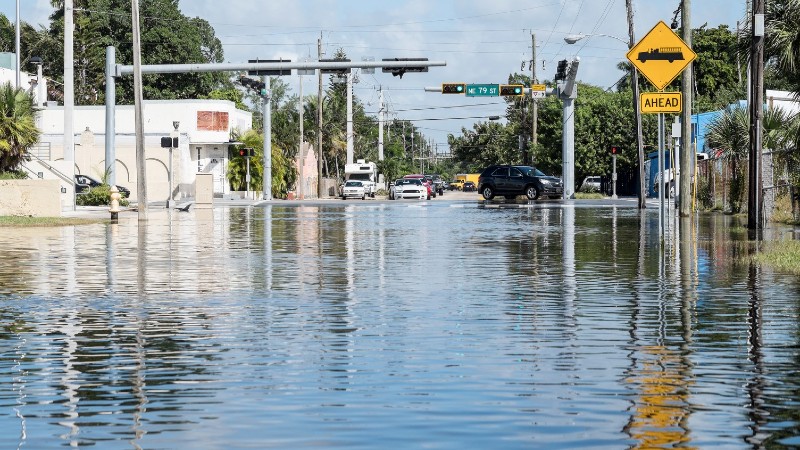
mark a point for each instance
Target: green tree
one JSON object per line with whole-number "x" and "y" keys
{"x": 729, "y": 134}
{"x": 168, "y": 37}
{"x": 284, "y": 174}
{"x": 18, "y": 130}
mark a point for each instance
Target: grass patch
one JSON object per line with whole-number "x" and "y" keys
{"x": 589, "y": 196}
{"x": 780, "y": 255}
{"x": 25, "y": 221}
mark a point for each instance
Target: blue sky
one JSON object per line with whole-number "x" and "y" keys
{"x": 481, "y": 41}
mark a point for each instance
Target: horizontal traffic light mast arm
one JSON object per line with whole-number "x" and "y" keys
{"x": 121, "y": 70}
{"x": 527, "y": 91}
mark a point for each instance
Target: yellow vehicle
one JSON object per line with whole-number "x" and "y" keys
{"x": 464, "y": 177}
{"x": 456, "y": 185}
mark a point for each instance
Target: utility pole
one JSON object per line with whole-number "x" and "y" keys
{"x": 69, "y": 97}
{"x": 319, "y": 121}
{"x": 756, "y": 102}
{"x": 16, "y": 42}
{"x": 636, "y": 112}
{"x": 349, "y": 137}
{"x": 381, "y": 113}
{"x": 529, "y": 156}
{"x": 302, "y": 157}
{"x": 141, "y": 172}
{"x": 688, "y": 158}
{"x": 266, "y": 179}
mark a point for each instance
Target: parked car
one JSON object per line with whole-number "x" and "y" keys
{"x": 426, "y": 182}
{"x": 354, "y": 189}
{"x": 456, "y": 185}
{"x": 437, "y": 182}
{"x": 511, "y": 181}
{"x": 591, "y": 184}
{"x": 408, "y": 188}
{"x": 84, "y": 183}
{"x": 469, "y": 186}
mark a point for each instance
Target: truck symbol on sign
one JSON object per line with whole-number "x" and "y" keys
{"x": 661, "y": 54}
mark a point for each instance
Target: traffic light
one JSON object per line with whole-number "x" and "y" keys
{"x": 614, "y": 150}
{"x": 561, "y": 70}
{"x": 255, "y": 85}
{"x": 511, "y": 89}
{"x": 400, "y": 71}
{"x": 169, "y": 142}
{"x": 453, "y": 88}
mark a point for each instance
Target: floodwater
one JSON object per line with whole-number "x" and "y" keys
{"x": 444, "y": 325}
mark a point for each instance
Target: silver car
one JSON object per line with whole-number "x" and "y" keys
{"x": 353, "y": 189}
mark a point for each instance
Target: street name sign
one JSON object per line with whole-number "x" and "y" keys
{"x": 483, "y": 90}
{"x": 538, "y": 91}
{"x": 661, "y": 55}
{"x": 661, "y": 102}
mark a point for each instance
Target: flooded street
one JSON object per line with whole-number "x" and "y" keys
{"x": 446, "y": 324}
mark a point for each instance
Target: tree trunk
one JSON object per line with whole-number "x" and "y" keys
{"x": 795, "y": 194}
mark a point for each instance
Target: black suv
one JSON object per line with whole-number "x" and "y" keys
{"x": 84, "y": 183}
{"x": 511, "y": 181}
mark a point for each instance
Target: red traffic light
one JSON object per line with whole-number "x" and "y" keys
{"x": 615, "y": 150}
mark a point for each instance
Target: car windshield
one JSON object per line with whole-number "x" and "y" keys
{"x": 409, "y": 181}
{"x": 359, "y": 176}
{"x": 353, "y": 184}
{"x": 532, "y": 172}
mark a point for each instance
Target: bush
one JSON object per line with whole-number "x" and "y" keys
{"x": 98, "y": 196}
{"x": 13, "y": 175}
{"x": 705, "y": 197}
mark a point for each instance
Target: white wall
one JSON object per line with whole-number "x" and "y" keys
{"x": 89, "y": 128}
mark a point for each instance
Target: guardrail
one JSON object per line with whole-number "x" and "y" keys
{"x": 53, "y": 170}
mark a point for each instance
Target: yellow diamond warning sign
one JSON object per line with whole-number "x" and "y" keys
{"x": 660, "y": 102}
{"x": 661, "y": 55}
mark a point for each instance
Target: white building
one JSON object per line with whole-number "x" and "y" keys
{"x": 205, "y": 129}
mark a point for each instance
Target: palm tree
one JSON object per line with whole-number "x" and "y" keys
{"x": 18, "y": 130}
{"x": 782, "y": 47}
{"x": 729, "y": 134}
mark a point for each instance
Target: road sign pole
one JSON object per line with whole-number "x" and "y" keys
{"x": 614, "y": 177}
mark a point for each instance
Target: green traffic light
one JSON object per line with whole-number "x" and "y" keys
{"x": 460, "y": 88}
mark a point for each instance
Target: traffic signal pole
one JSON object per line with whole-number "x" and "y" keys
{"x": 568, "y": 92}
{"x": 121, "y": 70}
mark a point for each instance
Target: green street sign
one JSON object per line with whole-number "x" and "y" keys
{"x": 483, "y": 90}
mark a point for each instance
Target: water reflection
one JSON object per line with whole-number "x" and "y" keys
{"x": 524, "y": 325}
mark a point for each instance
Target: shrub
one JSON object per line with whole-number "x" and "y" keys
{"x": 98, "y": 196}
{"x": 13, "y": 175}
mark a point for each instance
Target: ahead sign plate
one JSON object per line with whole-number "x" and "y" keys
{"x": 661, "y": 55}
{"x": 660, "y": 102}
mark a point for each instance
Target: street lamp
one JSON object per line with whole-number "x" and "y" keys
{"x": 573, "y": 38}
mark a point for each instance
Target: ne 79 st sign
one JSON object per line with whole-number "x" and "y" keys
{"x": 483, "y": 90}
{"x": 661, "y": 102}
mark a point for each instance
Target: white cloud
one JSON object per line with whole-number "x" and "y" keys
{"x": 482, "y": 42}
